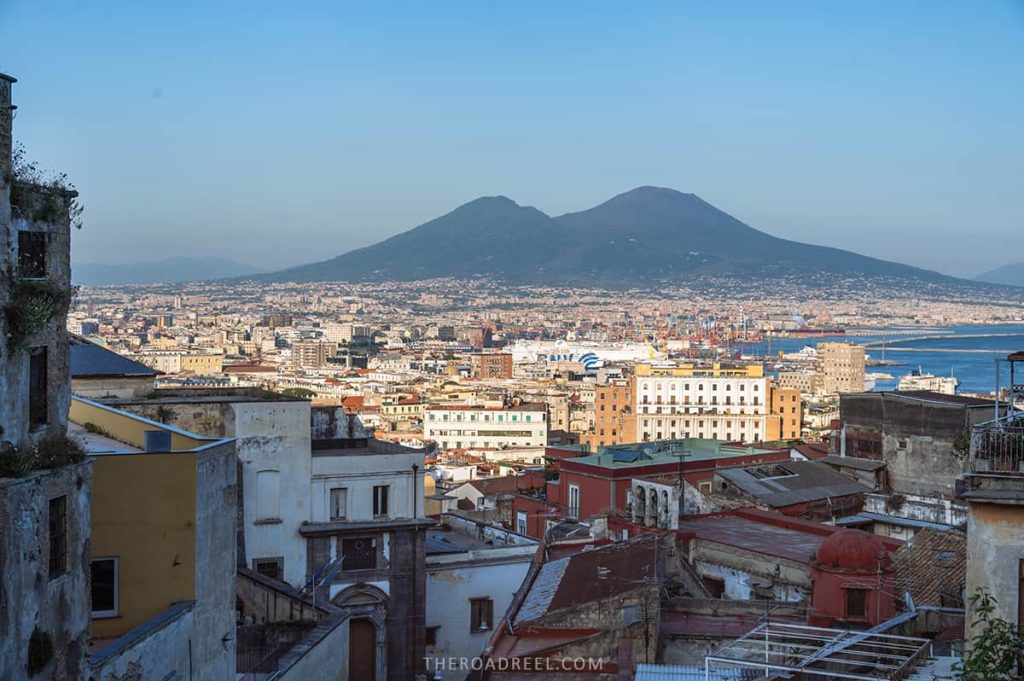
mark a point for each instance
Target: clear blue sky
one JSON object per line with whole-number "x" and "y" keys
{"x": 276, "y": 135}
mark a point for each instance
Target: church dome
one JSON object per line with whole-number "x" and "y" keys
{"x": 856, "y": 551}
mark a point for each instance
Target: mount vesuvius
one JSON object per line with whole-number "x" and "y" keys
{"x": 646, "y": 236}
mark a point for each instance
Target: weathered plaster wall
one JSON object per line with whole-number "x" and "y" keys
{"x": 213, "y": 635}
{"x": 449, "y": 589}
{"x": 269, "y": 435}
{"x": 995, "y": 549}
{"x": 321, "y": 653}
{"x": 161, "y": 652}
{"x": 29, "y": 597}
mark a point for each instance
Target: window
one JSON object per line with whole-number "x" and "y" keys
{"x": 32, "y": 255}
{"x": 481, "y": 612}
{"x": 269, "y": 567}
{"x": 339, "y": 503}
{"x": 104, "y": 587}
{"x": 38, "y": 401}
{"x": 574, "y": 501}
{"x": 715, "y": 585}
{"x": 58, "y": 536}
{"x": 430, "y": 635}
{"x": 521, "y": 522}
{"x": 358, "y": 554}
{"x": 856, "y": 603}
{"x": 267, "y": 495}
{"x": 380, "y": 500}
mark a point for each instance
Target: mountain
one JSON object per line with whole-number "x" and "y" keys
{"x": 1007, "y": 275}
{"x": 166, "y": 271}
{"x": 645, "y": 236}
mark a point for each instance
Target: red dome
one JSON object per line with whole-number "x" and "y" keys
{"x": 852, "y": 550}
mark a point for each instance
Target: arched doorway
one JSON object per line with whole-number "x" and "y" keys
{"x": 362, "y": 650}
{"x": 367, "y": 608}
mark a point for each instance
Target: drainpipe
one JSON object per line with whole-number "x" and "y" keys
{"x": 415, "y": 478}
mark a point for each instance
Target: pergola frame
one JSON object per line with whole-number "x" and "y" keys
{"x": 816, "y": 651}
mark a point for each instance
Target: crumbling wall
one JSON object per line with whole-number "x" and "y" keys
{"x": 31, "y": 599}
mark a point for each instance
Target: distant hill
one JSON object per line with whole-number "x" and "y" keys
{"x": 646, "y": 236}
{"x": 166, "y": 271}
{"x": 1007, "y": 275}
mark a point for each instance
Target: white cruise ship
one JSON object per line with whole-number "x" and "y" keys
{"x": 916, "y": 380}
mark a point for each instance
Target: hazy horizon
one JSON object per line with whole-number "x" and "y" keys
{"x": 277, "y": 136}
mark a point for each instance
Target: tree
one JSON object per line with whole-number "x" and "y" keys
{"x": 995, "y": 648}
{"x": 299, "y": 392}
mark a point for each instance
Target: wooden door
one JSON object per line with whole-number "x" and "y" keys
{"x": 362, "y": 650}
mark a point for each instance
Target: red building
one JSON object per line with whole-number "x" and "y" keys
{"x": 598, "y": 484}
{"x": 854, "y": 580}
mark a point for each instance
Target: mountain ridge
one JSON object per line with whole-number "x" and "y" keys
{"x": 1007, "y": 275}
{"x": 170, "y": 270}
{"x": 643, "y": 236}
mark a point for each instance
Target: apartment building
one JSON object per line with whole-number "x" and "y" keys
{"x": 786, "y": 404}
{"x": 840, "y": 368}
{"x": 614, "y": 414}
{"x": 715, "y": 402}
{"x": 486, "y": 427}
{"x": 491, "y": 365}
{"x": 311, "y": 354}
{"x": 196, "y": 363}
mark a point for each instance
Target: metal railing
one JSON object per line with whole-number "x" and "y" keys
{"x": 997, "y": 446}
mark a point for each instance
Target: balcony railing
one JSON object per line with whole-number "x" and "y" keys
{"x": 997, "y": 446}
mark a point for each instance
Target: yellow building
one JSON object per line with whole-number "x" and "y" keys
{"x": 786, "y": 404}
{"x": 163, "y": 527}
{"x": 202, "y": 364}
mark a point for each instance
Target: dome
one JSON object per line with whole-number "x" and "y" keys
{"x": 852, "y": 550}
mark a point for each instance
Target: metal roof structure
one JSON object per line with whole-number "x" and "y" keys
{"x": 89, "y": 360}
{"x": 819, "y": 653}
{"x": 678, "y": 672}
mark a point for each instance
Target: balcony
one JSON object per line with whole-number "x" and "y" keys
{"x": 997, "y": 447}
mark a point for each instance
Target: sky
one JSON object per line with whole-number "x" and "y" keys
{"x": 275, "y": 134}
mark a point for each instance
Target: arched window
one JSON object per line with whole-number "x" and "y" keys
{"x": 268, "y": 495}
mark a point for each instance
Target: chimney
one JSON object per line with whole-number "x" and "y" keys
{"x": 6, "y": 139}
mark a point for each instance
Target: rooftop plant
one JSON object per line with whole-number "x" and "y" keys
{"x": 42, "y": 195}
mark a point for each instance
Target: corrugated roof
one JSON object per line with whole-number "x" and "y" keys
{"x": 89, "y": 360}
{"x": 679, "y": 672}
{"x": 791, "y": 482}
{"x": 853, "y": 462}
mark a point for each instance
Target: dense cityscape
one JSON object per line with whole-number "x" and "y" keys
{"x": 744, "y": 469}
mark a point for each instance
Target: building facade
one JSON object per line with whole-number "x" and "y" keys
{"x": 479, "y": 427}
{"x": 840, "y": 368}
{"x": 614, "y": 414}
{"x": 716, "y": 402}
{"x": 366, "y": 545}
{"x": 491, "y": 365}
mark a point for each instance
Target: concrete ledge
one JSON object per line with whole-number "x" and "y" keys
{"x": 310, "y": 529}
{"x": 141, "y": 632}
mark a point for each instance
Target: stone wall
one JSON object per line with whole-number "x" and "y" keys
{"x": 158, "y": 649}
{"x": 913, "y": 436}
{"x": 30, "y": 598}
{"x": 14, "y": 360}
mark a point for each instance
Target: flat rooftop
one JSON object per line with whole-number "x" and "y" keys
{"x": 668, "y": 451}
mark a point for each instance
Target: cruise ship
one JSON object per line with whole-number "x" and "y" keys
{"x": 917, "y": 380}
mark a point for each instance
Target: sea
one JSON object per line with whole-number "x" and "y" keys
{"x": 967, "y": 352}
